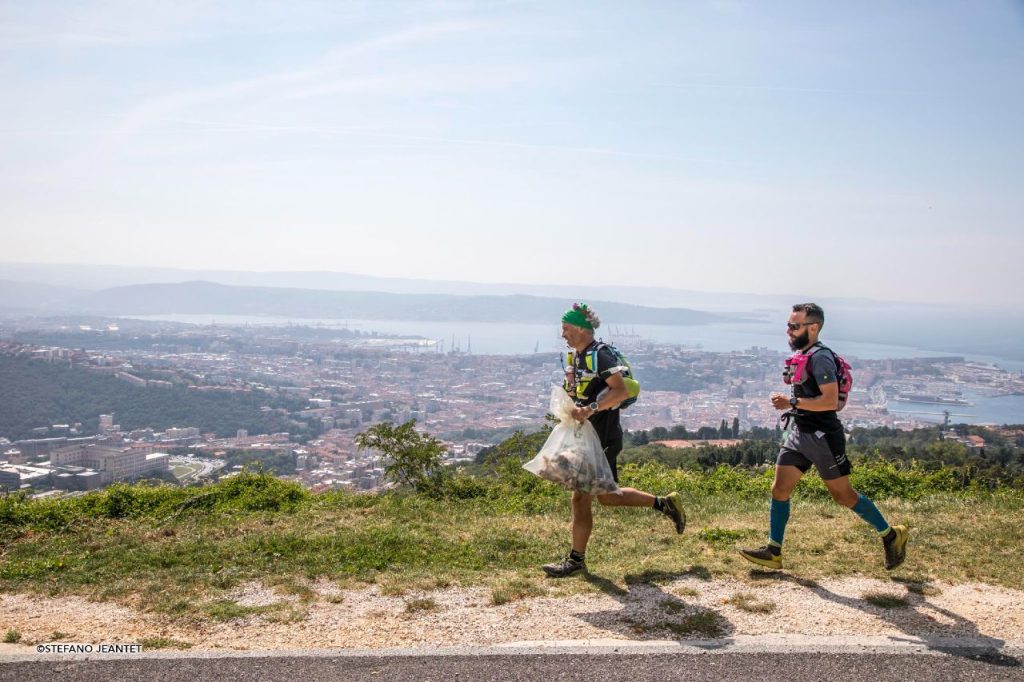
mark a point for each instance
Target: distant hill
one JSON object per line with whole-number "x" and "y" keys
{"x": 59, "y": 289}
{"x": 97, "y": 277}
{"x": 211, "y": 298}
{"x": 33, "y": 298}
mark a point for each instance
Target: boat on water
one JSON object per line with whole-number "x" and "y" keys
{"x": 929, "y": 399}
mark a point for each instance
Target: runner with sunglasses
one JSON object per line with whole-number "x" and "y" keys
{"x": 814, "y": 436}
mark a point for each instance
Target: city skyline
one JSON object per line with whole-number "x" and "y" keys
{"x": 874, "y": 151}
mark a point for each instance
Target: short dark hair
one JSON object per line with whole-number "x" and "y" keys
{"x": 812, "y": 311}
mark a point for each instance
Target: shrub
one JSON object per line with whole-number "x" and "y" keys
{"x": 411, "y": 458}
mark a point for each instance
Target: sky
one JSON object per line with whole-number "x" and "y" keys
{"x": 870, "y": 149}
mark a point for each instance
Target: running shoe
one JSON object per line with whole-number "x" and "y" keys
{"x": 674, "y": 510}
{"x": 896, "y": 547}
{"x": 762, "y": 556}
{"x": 564, "y": 568}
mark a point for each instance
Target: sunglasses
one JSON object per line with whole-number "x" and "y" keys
{"x": 793, "y": 326}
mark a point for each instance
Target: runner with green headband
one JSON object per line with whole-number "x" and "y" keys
{"x": 598, "y": 401}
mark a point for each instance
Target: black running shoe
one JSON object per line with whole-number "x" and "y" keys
{"x": 564, "y": 568}
{"x": 762, "y": 556}
{"x": 896, "y": 548}
{"x": 674, "y": 510}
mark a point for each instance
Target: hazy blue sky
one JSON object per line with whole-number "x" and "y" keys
{"x": 836, "y": 148}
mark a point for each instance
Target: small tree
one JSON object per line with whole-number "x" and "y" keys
{"x": 679, "y": 432}
{"x": 411, "y": 458}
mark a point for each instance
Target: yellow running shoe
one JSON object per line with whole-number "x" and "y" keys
{"x": 763, "y": 556}
{"x": 896, "y": 548}
{"x": 674, "y": 510}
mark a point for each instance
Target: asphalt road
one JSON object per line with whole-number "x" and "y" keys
{"x": 601, "y": 664}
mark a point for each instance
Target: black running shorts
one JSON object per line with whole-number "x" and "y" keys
{"x": 609, "y": 432}
{"x": 825, "y": 450}
{"x": 611, "y": 453}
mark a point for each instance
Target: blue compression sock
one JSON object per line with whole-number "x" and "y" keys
{"x": 867, "y": 510}
{"x": 778, "y": 517}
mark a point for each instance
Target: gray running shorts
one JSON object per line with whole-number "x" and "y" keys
{"x": 826, "y": 451}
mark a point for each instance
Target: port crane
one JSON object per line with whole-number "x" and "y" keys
{"x": 946, "y": 414}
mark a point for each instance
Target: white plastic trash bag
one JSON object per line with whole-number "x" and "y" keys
{"x": 572, "y": 456}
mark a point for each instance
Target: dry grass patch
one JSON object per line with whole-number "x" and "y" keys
{"x": 149, "y": 643}
{"x": 399, "y": 585}
{"x": 420, "y": 604}
{"x": 228, "y": 609}
{"x": 393, "y": 587}
{"x": 745, "y": 601}
{"x": 885, "y": 600}
{"x": 672, "y": 606}
{"x": 917, "y": 585}
{"x": 513, "y": 589}
{"x": 293, "y": 587}
{"x": 706, "y": 624}
{"x": 924, "y": 590}
{"x": 288, "y": 614}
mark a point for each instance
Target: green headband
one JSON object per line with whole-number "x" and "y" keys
{"x": 576, "y": 316}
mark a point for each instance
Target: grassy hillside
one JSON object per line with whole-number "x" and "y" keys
{"x": 181, "y": 550}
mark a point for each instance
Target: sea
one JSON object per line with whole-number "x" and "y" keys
{"x": 493, "y": 338}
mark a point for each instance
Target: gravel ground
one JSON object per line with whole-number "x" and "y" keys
{"x": 687, "y": 608}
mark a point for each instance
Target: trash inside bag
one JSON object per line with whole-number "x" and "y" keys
{"x": 572, "y": 456}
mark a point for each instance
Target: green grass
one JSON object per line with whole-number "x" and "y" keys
{"x": 228, "y": 609}
{"x": 182, "y": 551}
{"x": 12, "y": 637}
{"x": 724, "y": 537}
{"x": 183, "y": 471}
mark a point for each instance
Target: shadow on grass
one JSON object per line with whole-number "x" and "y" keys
{"x": 912, "y": 621}
{"x": 650, "y": 612}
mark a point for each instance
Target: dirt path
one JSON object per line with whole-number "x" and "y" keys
{"x": 687, "y": 608}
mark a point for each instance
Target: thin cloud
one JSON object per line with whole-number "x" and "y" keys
{"x": 331, "y": 65}
{"x": 784, "y": 88}
{"x": 364, "y": 131}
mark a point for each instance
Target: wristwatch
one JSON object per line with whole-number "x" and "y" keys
{"x": 593, "y": 407}
{"x": 793, "y": 401}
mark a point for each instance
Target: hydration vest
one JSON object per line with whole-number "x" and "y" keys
{"x": 582, "y": 379}
{"x": 798, "y": 369}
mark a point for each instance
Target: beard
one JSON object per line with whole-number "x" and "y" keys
{"x": 800, "y": 342}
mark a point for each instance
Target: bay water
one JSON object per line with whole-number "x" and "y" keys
{"x": 491, "y": 338}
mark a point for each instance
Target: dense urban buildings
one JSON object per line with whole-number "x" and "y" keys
{"x": 337, "y": 386}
